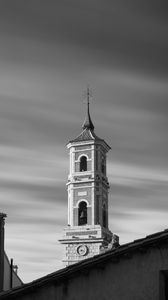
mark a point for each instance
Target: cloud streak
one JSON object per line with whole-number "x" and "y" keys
{"x": 49, "y": 52}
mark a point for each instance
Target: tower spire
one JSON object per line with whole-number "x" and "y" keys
{"x": 88, "y": 122}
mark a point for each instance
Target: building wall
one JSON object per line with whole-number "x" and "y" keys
{"x": 7, "y": 275}
{"x": 5, "y": 270}
{"x": 72, "y": 254}
{"x": 135, "y": 277}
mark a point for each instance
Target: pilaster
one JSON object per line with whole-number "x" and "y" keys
{"x": 2, "y": 223}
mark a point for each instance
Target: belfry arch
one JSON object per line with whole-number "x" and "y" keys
{"x": 83, "y": 163}
{"x": 82, "y": 213}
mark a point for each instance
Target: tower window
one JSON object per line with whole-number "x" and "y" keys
{"x": 97, "y": 210}
{"x": 103, "y": 166}
{"x": 83, "y": 164}
{"x": 82, "y": 213}
{"x": 96, "y": 160}
{"x": 104, "y": 216}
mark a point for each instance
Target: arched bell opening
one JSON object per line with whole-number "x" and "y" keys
{"x": 83, "y": 163}
{"x": 82, "y": 213}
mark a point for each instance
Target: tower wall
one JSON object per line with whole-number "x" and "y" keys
{"x": 87, "y": 233}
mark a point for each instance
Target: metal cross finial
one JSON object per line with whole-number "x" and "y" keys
{"x": 87, "y": 95}
{"x": 88, "y": 122}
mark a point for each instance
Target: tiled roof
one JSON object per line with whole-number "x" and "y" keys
{"x": 114, "y": 255}
{"x": 88, "y": 128}
{"x": 86, "y": 135}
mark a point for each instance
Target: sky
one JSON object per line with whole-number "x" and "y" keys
{"x": 50, "y": 50}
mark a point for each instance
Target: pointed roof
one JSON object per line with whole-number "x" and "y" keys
{"x": 88, "y": 133}
{"x": 88, "y": 122}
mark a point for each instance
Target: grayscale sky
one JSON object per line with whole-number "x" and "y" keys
{"x": 49, "y": 51}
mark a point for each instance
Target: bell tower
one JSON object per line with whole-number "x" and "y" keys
{"x": 87, "y": 233}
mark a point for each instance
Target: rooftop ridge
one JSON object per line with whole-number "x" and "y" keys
{"x": 93, "y": 261}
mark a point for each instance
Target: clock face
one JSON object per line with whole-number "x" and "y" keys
{"x": 82, "y": 250}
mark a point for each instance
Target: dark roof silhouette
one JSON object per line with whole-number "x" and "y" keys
{"x": 113, "y": 255}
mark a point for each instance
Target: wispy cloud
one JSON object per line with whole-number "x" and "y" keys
{"x": 49, "y": 53}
